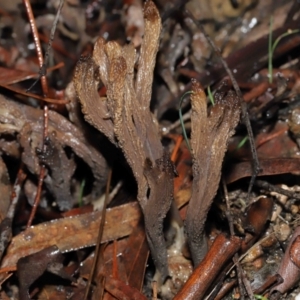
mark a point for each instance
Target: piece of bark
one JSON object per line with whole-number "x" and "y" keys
{"x": 124, "y": 116}
{"x": 209, "y": 138}
{"x": 220, "y": 252}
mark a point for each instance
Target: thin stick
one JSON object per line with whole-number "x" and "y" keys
{"x": 166, "y": 130}
{"x": 40, "y": 98}
{"x": 8, "y": 269}
{"x": 270, "y": 57}
{"x": 43, "y": 65}
{"x": 245, "y": 116}
{"x": 273, "y": 188}
{"x": 52, "y": 32}
{"x": 42, "y": 171}
{"x": 37, "y": 43}
{"x": 45, "y": 93}
{"x": 44, "y": 84}
{"x": 236, "y": 256}
{"x": 100, "y": 233}
{"x": 154, "y": 290}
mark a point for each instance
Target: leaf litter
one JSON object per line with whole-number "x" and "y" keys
{"x": 114, "y": 80}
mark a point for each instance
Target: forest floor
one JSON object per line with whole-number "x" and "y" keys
{"x": 106, "y": 192}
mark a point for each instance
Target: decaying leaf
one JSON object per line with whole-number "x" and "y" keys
{"x": 31, "y": 267}
{"x": 270, "y": 166}
{"x": 209, "y": 138}
{"x": 258, "y": 214}
{"x": 125, "y": 118}
{"x": 135, "y": 257}
{"x": 288, "y": 270}
{"x": 27, "y": 123}
{"x": 61, "y": 232}
{"x": 120, "y": 290}
{"x": 6, "y": 230}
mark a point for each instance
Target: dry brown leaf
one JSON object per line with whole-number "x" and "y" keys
{"x": 122, "y": 291}
{"x": 272, "y": 166}
{"x": 31, "y": 267}
{"x": 135, "y": 257}
{"x": 10, "y": 76}
{"x": 72, "y": 233}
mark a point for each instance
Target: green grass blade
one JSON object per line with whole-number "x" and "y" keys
{"x": 242, "y": 142}
{"x": 182, "y": 121}
{"x": 210, "y": 96}
{"x": 273, "y": 47}
{"x": 289, "y": 32}
{"x": 82, "y": 185}
{"x": 270, "y": 61}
